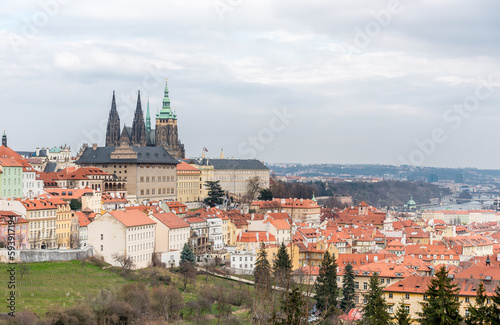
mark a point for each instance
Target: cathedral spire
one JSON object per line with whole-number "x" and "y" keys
{"x": 113, "y": 129}
{"x": 138, "y": 126}
{"x": 4, "y": 139}
{"x": 148, "y": 120}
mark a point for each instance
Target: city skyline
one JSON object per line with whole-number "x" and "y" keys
{"x": 383, "y": 83}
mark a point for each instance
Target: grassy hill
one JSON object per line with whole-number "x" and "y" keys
{"x": 45, "y": 286}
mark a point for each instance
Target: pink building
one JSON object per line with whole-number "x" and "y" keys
{"x": 20, "y": 228}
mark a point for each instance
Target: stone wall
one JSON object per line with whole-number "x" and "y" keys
{"x": 46, "y": 255}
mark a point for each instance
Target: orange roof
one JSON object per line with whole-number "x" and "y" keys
{"x": 68, "y": 193}
{"x": 132, "y": 218}
{"x": 185, "y": 167}
{"x": 255, "y": 236}
{"x": 279, "y": 224}
{"x": 6, "y": 152}
{"x": 170, "y": 220}
{"x": 42, "y": 204}
{"x": 82, "y": 219}
{"x": 9, "y": 162}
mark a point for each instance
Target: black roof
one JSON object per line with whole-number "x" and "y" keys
{"x": 236, "y": 164}
{"x": 145, "y": 155}
{"x": 50, "y": 168}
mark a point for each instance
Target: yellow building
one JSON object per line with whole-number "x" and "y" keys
{"x": 207, "y": 174}
{"x": 66, "y": 227}
{"x": 189, "y": 183}
{"x": 312, "y": 254}
{"x": 411, "y": 291}
{"x": 293, "y": 252}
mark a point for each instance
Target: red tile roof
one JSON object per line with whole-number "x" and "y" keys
{"x": 171, "y": 220}
{"x": 132, "y": 218}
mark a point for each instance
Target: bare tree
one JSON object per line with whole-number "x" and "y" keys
{"x": 167, "y": 302}
{"x": 253, "y": 186}
{"x": 125, "y": 261}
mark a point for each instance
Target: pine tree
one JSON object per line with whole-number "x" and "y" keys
{"x": 282, "y": 266}
{"x": 326, "y": 285}
{"x": 442, "y": 305}
{"x": 187, "y": 254}
{"x": 187, "y": 264}
{"x": 402, "y": 316}
{"x": 262, "y": 271}
{"x": 480, "y": 313}
{"x": 375, "y": 310}
{"x": 347, "y": 301}
{"x": 494, "y": 312}
{"x": 292, "y": 305}
{"x": 215, "y": 193}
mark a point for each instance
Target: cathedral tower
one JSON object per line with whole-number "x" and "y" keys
{"x": 166, "y": 129}
{"x": 138, "y": 135}
{"x": 113, "y": 130}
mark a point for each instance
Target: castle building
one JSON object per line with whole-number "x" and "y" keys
{"x": 141, "y": 134}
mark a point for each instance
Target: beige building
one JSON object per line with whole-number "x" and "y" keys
{"x": 128, "y": 233}
{"x": 149, "y": 172}
{"x": 42, "y": 223}
{"x": 171, "y": 231}
{"x": 207, "y": 173}
{"x": 189, "y": 183}
{"x": 233, "y": 174}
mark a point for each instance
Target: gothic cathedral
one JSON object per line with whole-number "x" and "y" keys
{"x": 140, "y": 134}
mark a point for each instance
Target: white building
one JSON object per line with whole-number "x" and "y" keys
{"x": 32, "y": 186}
{"x": 127, "y": 233}
{"x": 215, "y": 232}
{"x": 171, "y": 232}
{"x": 243, "y": 262}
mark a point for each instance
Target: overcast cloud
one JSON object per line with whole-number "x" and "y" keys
{"x": 366, "y": 81}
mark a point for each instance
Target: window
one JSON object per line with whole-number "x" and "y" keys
{"x": 466, "y": 312}
{"x": 102, "y": 237}
{"x": 102, "y": 248}
{"x": 391, "y": 295}
{"x": 391, "y": 309}
{"x": 425, "y": 297}
{"x": 365, "y": 286}
{"x": 387, "y": 281}
{"x": 407, "y": 308}
{"x": 466, "y": 299}
{"x": 356, "y": 285}
{"x": 407, "y": 296}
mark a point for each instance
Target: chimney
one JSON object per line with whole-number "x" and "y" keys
{"x": 257, "y": 236}
{"x": 94, "y": 146}
{"x": 267, "y": 235}
{"x": 375, "y": 258}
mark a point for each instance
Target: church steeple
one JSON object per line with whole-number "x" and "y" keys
{"x": 138, "y": 127}
{"x": 166, "y": 112}
{"x": 113, "y": 129}
{"x": 148, "y": 121}
{"x": 4, "y": 139}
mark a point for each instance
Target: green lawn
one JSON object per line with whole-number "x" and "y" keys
{"x": 49, "y": 284}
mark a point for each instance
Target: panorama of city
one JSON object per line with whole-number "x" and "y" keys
{"x": 235, "y": 162}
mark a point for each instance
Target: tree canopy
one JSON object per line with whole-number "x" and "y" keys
{"x": 442, "y": 305}
{"x": 326, "y": 285}
{"x": 215, "y": 194}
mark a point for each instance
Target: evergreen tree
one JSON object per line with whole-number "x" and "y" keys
{"x": 187, "y": 254}
{"x": 265, "y": 195}
{"x": 402, "y": 316}
{"x": 479, "y": 314}
{"x": 75, "y": 205}
{"x": 326, "y": 285}
{"x": 215, "y": 193}
{"x": 442, "y": 305}
{"x": 494, "y": 310}
{"x": 262, "y": 271}
{"x": 292, "y": 305}
{"x": 187, "y": 264}
{"x": 375, "y": 310}
{"x": 347, "y": 301}
{"x": 282, "y": 266}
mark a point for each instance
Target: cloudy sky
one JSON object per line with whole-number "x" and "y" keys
{"x": 387, "y": 82}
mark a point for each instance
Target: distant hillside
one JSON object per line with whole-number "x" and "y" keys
{"x": 389, "y": 193}
{"x": 385, "y": 193}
